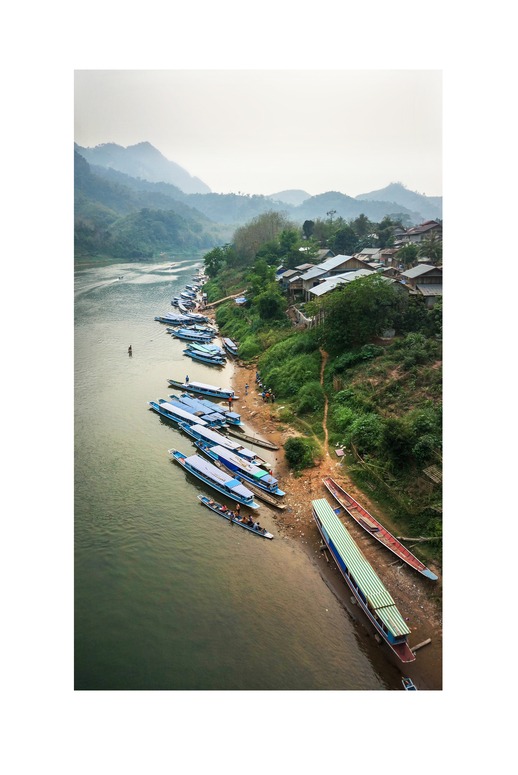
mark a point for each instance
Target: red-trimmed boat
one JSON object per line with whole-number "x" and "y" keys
{"x": 375, "y": 528}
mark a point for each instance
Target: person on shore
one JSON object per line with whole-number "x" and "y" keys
{"x": 273, "y": 398}
{"x": 230, "y": 403}
{"x": 263, "y": 396}
{"x": 257, "y": 376}
{"x": 246, "y": 389}
{"x": 267, "y": 396}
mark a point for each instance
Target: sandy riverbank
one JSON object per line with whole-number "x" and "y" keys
{"x": 414, "y": 595}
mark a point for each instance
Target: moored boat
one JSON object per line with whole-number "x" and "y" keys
{"x": 375, "y": 528}
{"x": 370, "y": 593}
{"x": 215, "y": 478}
{"x": 241, "y": 467}
{"x": 212, "y": 416}
{"x": 252, "y": 439}
{"x": 214, "y": 438}
{"x": 248, "y": 524}
{"x": 231, "y": 417}
{"x": 175, "y": 413}
{"x": 203, "y": 389}
{"x": 408, "y": 685}
{"x": 230, "y": 346}
{"x": 192, "y": 336}
{"x": 211, "y": 360}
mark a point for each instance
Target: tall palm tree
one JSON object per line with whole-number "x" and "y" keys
{"x": 431, "y": 248}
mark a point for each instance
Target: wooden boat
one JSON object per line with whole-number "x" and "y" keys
{"x": 215, "y": 478}
{"x": 252, "y": 439}
{"x": 193, "y": 336}
{"x": 375, "y": 528}
{"x": 212, "y": 360}
{"x": 240, "y": 467}
{"x": 217, "y": 508}
{"x": 368, "y": 590}
{"x": 213, "y": 438}
{"x": 212, "y": 416}
{"x": 231, "y": 417}
{"x": 175, "y": 413}
{"x": 201, "y": 388}
{"x": 208, "y": 348}
{"x": 408, "y": 685}
{"x": 230, "y": 346}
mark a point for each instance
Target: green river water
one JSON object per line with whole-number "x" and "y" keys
{"x": 167, "y": 594}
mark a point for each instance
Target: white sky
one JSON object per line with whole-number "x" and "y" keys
{"x": 263, "y": 131}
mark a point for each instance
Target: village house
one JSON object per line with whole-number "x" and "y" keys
{"x": 367, "y": 254}
{"x": 426, "y": 280}
{"x": 418, "y": 233}
{"x": 331, "y": 267}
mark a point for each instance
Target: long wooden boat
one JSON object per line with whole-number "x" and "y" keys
{"x": 240, "y": 467}
{"x": 218, "y": 480}
{"x": 370, "y": 593}
{"x": 193, "y": 336}
{"x": 375, "y": 528}
{"x": 200, "y": 388}
{"x": 212, "y": 416}
{"x": 205, "y": 358}
{"x": 252, "y": 439}
{"x": 232, "y": 417}
{"x": 230, "y": 346}
{"x": 208, "y": 348}
{"x": 217, "y": 508}
{"x": 175, "y": 413}
{"x": 212, "y": 437}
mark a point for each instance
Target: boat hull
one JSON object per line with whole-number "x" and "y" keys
{"x": 402, "y": 650}
{"x": 380, "y": 534}
{"x": 181, "y": 459}
{"x": 206, "y": 502}
{"x": 236, "y": 470}
{"x": 205, "y": 359}
{"x": 222, "y": 395}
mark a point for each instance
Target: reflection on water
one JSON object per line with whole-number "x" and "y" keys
{"x": 168, "y": 595}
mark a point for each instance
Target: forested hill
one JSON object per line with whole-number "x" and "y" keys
{"x": 112, "y": 220}
{"x": 143, "y": 161}
{"x": 347, "y": 207}
{"x": 429, "y": 206}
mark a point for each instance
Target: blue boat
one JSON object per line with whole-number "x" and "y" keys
{"x": 230, "y": 346}
{"x": 407, "y": 682}
{"x": 242, "y": 468}
{"x": 197, "y": 317}
{"x": 245, "y": 522}
{"x": 192, "y": 336}
{"x": 205, "y": 358}
{"x": 368, "y": 590}
{"x": 213, "y": 438}
{"x": 232, "y": 417}
{"x": 215, "y": 478}
{"x": 172, "y": 320}
{"x": 175, "y": 413}
{"x": 209, "y": 348}
{"x": 200, "y": 388}
{"x": 212, "y": 417}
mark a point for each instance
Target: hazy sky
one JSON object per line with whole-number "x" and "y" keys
{"x": 263, "y": 131}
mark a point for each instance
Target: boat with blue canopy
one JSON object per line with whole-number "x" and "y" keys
{"x": 240, "y": 467}
{"x": 208, "y": 347}
{"x": 215, "y": 478}
{"x": 245, "y": 522}
{"x": 175, "y": 413}
{"x": 197, "y": 317}
{"x": 193, "y": 336}
{"x": 232, "y": 417}
{"x": 202, "y": 388}
{"x": 212, "y": 417}
{"x": 213, "y": 438}
{"x": 368, "y": 590}
{"x": 230, "y": 346}
{"x": 408, "y": 684}
{"x": 211, "y": 360}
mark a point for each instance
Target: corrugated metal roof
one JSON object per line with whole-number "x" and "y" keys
{"x": 339, "y": 279}
{"x": 417, "y": 271}
{"x": 430, "y": 290}
{"x": 312, "y": 273}
{"x": 362, "y": 571}
{"x": 175, "y": 410}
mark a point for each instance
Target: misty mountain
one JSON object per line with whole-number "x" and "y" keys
{"x": 429, "y": 206}
{"x": 143, "y": 161}
{"x": 293, "y": 196}
{"x": 122, "y": 199}
{"x": 348, "y": 207}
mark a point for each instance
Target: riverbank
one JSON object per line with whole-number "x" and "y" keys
{"x": 417, "y": 598}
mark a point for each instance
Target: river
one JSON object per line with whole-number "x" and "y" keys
{"x": 167, "y": 594}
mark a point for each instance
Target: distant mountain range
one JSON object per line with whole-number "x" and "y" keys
{"x": 143, "y": 161}
{"x": 429, "y": 206}
{"x": 107, "y": 188}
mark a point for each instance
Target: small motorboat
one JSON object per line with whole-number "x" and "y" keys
{"x": 408, "y": 685}
{"x": 217, "y": 508}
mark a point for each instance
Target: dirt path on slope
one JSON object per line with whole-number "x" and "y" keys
{"x": 325, "y": 358}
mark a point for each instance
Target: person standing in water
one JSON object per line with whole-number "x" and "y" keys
{"x": 130, "y": 351}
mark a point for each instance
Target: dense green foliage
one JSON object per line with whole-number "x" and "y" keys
{"x": 299, "y": 453}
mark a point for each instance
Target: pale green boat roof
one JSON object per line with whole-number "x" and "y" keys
{"x": 362, "y": 571}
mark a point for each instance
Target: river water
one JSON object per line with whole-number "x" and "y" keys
{"x": 167, "y": 594}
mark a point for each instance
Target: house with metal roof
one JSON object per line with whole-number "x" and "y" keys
{"x": 419, "y": 233}
{"x": 426, "y": 280}
{"x": 332, "y": 282}
{"x": 336, "y": 265}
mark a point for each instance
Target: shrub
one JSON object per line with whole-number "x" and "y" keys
{"x": 299, "y": 453}
{"x": 311, "y": 397}
{"x": 424, "y": 448}
{"x": 366, "y": 432}
{"x": 250, "y": 348}
{"x": 395, "y": 441}
{"x": 343, "y": 417}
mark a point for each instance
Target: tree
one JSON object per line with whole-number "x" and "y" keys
{"x": 355, "y": 311}
{"x": 431, "y": 248}
{"x": 307, "y": 228}
{"x": 344, "y": 241}
{"x": 263, "y": 228}
{"x": 407, "y": 254}
{"x": 362, "y": 225}
{"x": 218, "y": 257}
